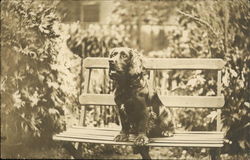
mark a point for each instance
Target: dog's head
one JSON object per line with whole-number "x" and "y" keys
{"x": 124, "y": 62}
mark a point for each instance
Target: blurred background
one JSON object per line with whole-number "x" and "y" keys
{"x": 43, "y": 44}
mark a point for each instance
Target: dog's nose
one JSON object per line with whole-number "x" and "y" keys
{"x": 111, "y": 61}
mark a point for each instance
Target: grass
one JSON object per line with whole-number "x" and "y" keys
{"x": 58, "y": 152}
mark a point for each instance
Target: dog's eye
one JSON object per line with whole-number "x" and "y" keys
{"x": 124, "y": 56}
{"x": 113, "y": 54}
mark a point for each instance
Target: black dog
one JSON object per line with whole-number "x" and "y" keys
{"x": 139, "y": 105}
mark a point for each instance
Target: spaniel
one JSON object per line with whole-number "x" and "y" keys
{"x": 138, "y": 104}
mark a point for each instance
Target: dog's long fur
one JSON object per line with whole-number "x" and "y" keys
{"x": 138, "y": 103}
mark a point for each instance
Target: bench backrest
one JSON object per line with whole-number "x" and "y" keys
{"x": 153, "y": 64}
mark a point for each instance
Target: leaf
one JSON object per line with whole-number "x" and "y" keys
{"x": 34, "y": 99}
{"x": 233, "y": 73}
{"x": 200, "y": 91}
{"x": 226, "y": 79}
{"x": 242, "y": 144}
{"x": 18, "y": 103}
{"x": 246, "y": 125}
{"x": 247, "y": 104}
{"x": 210, "y": 93}
{"x": 53, "y": 111}
{"x": 192, "y": 82}
{"x": 26, "y": 128}
{"x": 212, "y": 115}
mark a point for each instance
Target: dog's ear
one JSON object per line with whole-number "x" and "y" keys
{"x": 136, "y": 63}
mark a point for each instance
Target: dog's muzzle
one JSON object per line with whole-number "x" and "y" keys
{"x": 112, "y": 71}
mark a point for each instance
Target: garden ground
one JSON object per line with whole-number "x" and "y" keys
{"x": 156, "y": 153}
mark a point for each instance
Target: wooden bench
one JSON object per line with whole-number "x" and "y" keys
{"x": 206, "y": 139}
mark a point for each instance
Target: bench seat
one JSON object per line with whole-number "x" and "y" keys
{"x": 106, "y": 136}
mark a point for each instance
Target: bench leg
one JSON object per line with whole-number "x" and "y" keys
{"x": 72, "y": 150}
{"x": 144, "y": 151}
{"x": 79, "y": 147}
{"x": 215, "y": 153}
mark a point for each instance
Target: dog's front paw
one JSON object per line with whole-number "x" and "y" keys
{"x": 121, "y": 137}
{"x": 168, "y": 133}
{"x": 141, "y": 140}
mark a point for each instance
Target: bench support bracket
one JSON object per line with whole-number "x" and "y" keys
{"x": 215, "y": 153}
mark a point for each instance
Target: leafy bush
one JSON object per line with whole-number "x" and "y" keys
{"x": 96, "y": 40}
{"x": 230, "y": 23}
{"x": 31, "y": 96}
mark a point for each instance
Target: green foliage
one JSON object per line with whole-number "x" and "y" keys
{"x": 233, "y": 48}
{"x": 31, "y": 97}
{"x": 96, "y": 40}
{"x": 232, "y": 44}
{"x": 147, "y": 12}
{"x": 236, "y": 77}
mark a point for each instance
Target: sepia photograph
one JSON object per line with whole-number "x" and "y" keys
{"x": 125, "y": 79}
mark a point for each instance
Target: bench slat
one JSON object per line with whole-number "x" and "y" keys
{"x": 176, "y": 136}
{"x": 169, "y": 101}
{"x": 153, "y": 140}
{"x": 104, "y": 132}
{"x": 131, "y": 143}
{"x": 89, "y": 135}
{"x": 118, "y": 128}
{"x": 163, "y": 63}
